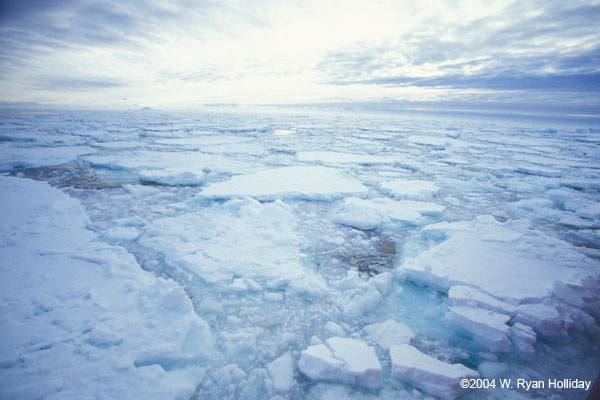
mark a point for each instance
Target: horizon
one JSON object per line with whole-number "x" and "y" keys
{"x": 529, "y": 55}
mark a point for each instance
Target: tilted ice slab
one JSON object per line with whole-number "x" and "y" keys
{"x": 240, "y": 239}
{"x": 544, "y": 319}
{"x": 373, "y": 213}
{"x": 427, "y": 373}
{"x": 304, "y": 182}
{"x": 467, "y": 296}
{"x": 343, "y": 360}
{"x": 87, "y": 310}
{"x": 409, "y": 188}
{"x": 330, "y": 157}
{"x": 508, "y": 261}
{"x": 488, "y": 328}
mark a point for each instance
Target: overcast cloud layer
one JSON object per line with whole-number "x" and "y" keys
{"x": 183, "y": 53}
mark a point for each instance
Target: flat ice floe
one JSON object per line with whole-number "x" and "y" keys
{"x": 367, "y": 214}
{"x": 509, "y": 261}
{"x": 299, "y": 182}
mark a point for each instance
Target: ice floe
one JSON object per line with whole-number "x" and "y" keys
{"x": 297, "y": 182}
{"x": 508, "y": 261}
{"x": 367, "y": 214}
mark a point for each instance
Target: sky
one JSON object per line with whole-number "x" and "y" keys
{"x": 184, "y": 53}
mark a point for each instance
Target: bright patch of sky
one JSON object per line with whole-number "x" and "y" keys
{"x": 185, "y": 53}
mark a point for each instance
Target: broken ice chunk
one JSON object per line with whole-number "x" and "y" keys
{"x": 359, "y": 360}
{"x": 317, "y": 363}
{"x": 281, "y": 371}
{"x": 356, "y": 215}
{"x": 388, "y": 333}
{"x": 544, "y": 319}
{"x": 487, "y": 327}
{"x": 343, "y": 360}
{"x": 427, "y": 373}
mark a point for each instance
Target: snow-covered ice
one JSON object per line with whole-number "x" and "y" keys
{"x": 244, "y": 255}
{"x": 78, "y": 309}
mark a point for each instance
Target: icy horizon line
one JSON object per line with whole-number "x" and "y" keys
{"x": 564, "y": 112}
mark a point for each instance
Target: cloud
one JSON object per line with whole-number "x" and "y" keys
{"x": 64, "y": 83}
{"x": 260, "y": 50}
{"x": 526, "y": 48}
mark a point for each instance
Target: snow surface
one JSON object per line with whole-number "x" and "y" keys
{"x": 290, "y": 256}
{"x": 78, "y": 309}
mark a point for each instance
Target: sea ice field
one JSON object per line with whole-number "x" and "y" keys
{"x": 297, "y": 255}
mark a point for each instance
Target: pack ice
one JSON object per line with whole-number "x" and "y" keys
{"x": 294, "y": 256}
